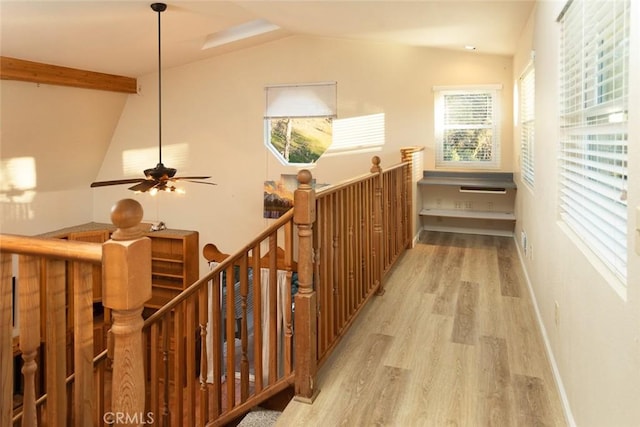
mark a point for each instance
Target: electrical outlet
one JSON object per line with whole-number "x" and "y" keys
{"x": 524, "y": 243}
{"x": 490, "y": 206}
{"x": 468, "y": 205}
{"x": 439, "y": 203}
{"x": 457, "y": 204}
{"x": 557, "y": 314}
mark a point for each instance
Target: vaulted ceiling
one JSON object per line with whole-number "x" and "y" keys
{"x": 120, "y": 37}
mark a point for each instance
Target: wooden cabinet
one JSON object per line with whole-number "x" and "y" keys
{"x": 174, "y": 264}
{"x": 468, "y": 202}
{"x": 174, "y": 253}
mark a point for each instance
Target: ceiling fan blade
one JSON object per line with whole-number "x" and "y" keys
{"x": 189, "y": 177}
{"x": 199, "y": 182}
{"x": 116, "y": 182}
{"x": 145, "y": 185}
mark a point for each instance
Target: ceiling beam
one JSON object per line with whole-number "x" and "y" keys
{"x": 35, "y": 72}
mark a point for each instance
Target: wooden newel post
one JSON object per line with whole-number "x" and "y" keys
{"x": 305, "y": 347}
{"x": 126, "y": 286}
{"x": 378, "y": 242}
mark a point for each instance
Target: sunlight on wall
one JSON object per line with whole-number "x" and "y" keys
{"x": 360, "y": 134}
{"x": 134, "y": 162}
{"x": 17, "y": 187}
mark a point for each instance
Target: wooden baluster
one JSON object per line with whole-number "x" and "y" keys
{"x": 191, "y": 360}
{"x": 378, "y": 245}
{"x": 304, "y": 215}
{"x": 154, "y": 369}
{"x": 29, "y": 312}
{"x": 230, "y": 331}
{"x": 273, "y": 309}
{"x": 203, "y": 298}
{"x": 166, "y": 410}
{"x": 288, "y": 331}
{"x": 216, "y": 356}
{"x": 178, "y": 363}
{"x": 125, "y": 289}
{"x": 6, "y": 345}
{"x": 244, "y": 333}
{"x": 257, "y": 318}
{"x": 56, "y": 372}
{"x": 83, "y": 401}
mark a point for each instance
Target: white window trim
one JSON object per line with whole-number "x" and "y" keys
{"x": 439, "y": 91}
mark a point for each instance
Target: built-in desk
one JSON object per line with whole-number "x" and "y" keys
{"x": 468, "y": 202}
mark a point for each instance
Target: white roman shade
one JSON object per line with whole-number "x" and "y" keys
{"x": 301, "y": 100}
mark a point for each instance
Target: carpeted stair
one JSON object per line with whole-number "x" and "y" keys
{"x": 260, "y": 417}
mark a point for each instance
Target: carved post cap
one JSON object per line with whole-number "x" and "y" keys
{"x": 376, "y": 164}
{"x": 304, "y": 177}
{"x": 304, "y": 199}
{"x": 127, "y": 214}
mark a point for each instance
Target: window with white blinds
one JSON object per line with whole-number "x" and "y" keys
{"x": 593, "y": 146}
{"x": 467, "y": 126}
{"x": 527, "y": 123}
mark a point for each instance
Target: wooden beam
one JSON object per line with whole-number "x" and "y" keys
{"x": 28, "y": 71}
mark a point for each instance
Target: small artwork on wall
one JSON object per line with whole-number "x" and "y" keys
{"x": 278, "y": 195}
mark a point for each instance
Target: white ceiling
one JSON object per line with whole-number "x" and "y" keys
{"x": 120, "y": 37}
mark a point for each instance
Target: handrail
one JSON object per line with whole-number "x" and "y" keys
{"x": 51, "y": 248}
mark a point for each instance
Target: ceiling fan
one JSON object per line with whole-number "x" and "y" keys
{"x": 159, "y": 178}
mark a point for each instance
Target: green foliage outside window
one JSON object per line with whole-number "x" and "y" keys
{"x": 301, "y": 140}
{"x": 468, "y": 145}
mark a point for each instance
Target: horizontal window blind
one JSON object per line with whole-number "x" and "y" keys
{"x": 593, "y": 146}
{"x": 357, "y": 135}
{"x": 467, "y": 127}
{"x": 527, "y": 123}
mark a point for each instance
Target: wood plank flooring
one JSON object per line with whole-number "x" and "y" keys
{"x": 453, "y": 342}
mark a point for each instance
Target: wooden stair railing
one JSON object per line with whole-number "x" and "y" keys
{"x": 204, "y": 370}
{"x": 180, "y": 366}
{"x": 42, "y": 266}
{"x": 350, "y": 235}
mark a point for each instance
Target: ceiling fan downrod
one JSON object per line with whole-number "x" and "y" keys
{"x": 159, "y": 8}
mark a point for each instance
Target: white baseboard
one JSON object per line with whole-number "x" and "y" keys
{"x": 554, "y": 366}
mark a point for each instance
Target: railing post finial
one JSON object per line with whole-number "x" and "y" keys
{"x": 127, "y": 214}
{"x": 375, "y": 167}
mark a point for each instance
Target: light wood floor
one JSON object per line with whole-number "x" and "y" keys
{"x": 453, "y": 342}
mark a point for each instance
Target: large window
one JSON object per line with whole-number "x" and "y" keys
{"x": 298, "y": 121}
{"x": 467, "y": 126}
{"x": 593, "y": 145}
{"x": 527, "y": 123}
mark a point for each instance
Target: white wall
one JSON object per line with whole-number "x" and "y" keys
{"x": 596, "y": 342}
{"x": 216, "y": 107}
{"x": 53, "y": 140}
